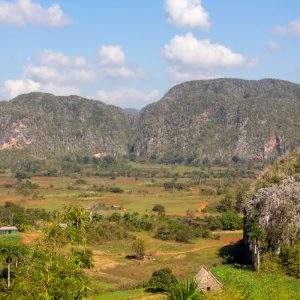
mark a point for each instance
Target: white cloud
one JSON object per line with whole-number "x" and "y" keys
{"x": 293, "y": 28}
{"x": 112, "y": 55}
{"x": 273, "y": 46}
{"x": 25, "y": 12}
{"x": 54, "y": 73}
{"x": 57, "y": 73}
{"x": 58, "y": 59}
{"x": 13, "y": 88}
{"x": 190, "y": 58}
{"x": 188, "y": 13}
{"x": 113, "y": 63}
{"x": 127, "y": 97}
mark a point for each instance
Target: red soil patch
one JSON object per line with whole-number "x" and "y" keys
{"x": 229, "y": 239}
{"x": 183, "y": 214}
{"x": 202, "y": 206}
{"x": 49, "y": 179}
{"x": 30, "y": 237}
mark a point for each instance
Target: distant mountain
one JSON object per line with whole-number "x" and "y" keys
{"x": 221, "y": 118}
{"x": 44, "y": 125}
{"x": 131, "y": 111}
{"x": 209, "y": 119}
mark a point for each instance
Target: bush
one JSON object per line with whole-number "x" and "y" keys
{"x": 230, "y": 220}
{"x": 290, "y": 260}
{"x": 138, "y": 248}
{"x": 82, "y": 257}
{"x": 115, "y": 189}
{"x": 159, "y": 209}
{"x": 182, "y": 236}
{"x": 161, "y": 281}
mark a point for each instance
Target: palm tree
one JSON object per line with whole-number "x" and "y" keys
{"x": 255, "y": 235}
{"x": 11, "y": 250}
{"x": 187, "y": 290}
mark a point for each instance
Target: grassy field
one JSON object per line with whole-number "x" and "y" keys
{"x": 257, "y": 286}
{"x": 113, "y": 271}
{"x": 139, "y": 195}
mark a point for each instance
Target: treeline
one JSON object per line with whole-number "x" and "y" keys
{"x": 110, "y": 166}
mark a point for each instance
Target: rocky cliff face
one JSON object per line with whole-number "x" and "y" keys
{"x": 277, "y": 206}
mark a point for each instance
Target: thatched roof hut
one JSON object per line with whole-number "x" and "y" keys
{"x": 207, "y": 281}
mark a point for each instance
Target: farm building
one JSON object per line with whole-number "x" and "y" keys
{"x": 207, "y": 281}
{"x": 8, "y": 230}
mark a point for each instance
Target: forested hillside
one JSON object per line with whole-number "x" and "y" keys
{"x": 196, "y": 122}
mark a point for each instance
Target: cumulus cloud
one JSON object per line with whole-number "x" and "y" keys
{"x": 113, "y": 63}
{"x": 60, "y": 74}
{"x": 273, "y": 46}
{"x": 26, "y": 12}
{"x": 58, "y": 59}
{"x": 188, "y": 13}
{"x": 54, "y": 73}
{"x": 127, "y": 97}
{"x": 14, "y": 88}
{"x": 190, "y": 58}
{"x": 293, "y": 28}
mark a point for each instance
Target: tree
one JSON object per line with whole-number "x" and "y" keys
{"x": 160, "y": 209}
{"x": 226, "y": 203}
{"x": 240, "y": 201}
{"x": 11, "y": 250}
{"x": 254, "y": 233}
{"x": 230, "y": 220}
{"x": 48, "y": 275}
{"x": 161, "y": 281}
{"x": 187, "y": 290}
{"x": 138, "y": 248}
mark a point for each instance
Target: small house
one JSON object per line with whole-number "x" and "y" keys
{"x": 116, "y": 207}
{"x": 63, "y": 226}
{"x": 207, "y": 281}
{"x": 8, "y": 230}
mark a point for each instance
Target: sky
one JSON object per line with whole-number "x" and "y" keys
{"x": 129, "y": 53}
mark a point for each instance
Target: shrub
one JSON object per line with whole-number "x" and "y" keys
{"x": 138, "y": 248}
{"x": 115, "y": 189}
{"x": 230, "y": 220}
{"x": 82, "y": 257}
{"x": 159, "y": 209}
{"x": 161, "y": 281}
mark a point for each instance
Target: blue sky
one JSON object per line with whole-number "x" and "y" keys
{"x": 130, "y": 52}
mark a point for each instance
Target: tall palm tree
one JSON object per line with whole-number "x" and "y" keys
{"x": 187, "y": 290}
{"x": 255, "y": 235}
{"x": 10, "y": 251}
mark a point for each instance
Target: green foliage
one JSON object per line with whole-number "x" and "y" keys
{"x": 115, "y": 189}
{"x": 138, "y": 248}
{"x": 230, "y": 220}
{"x": 159, "y": 209}
{"x": 290, "y": 259}
{"x": 82, "y": 257}
{"x": 48, "y": 275}
{"x": 174, "y": 185}
{"x": 288, "y": 165}
{"x": 226, "y": 204}
{"x": 14, "y": 214}
{"x": 256, "y": 285}
{"x": 161, "y": 281}
{"x": 104, "y": 230}
{"x": 187, "y": 290}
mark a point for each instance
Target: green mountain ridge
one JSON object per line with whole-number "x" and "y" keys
{"x": 194, "y": 121}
